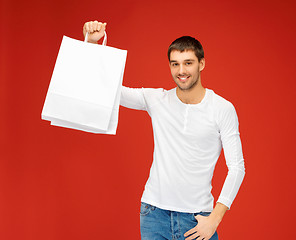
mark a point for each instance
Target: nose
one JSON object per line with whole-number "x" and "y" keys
{"x": 182, "y": 69}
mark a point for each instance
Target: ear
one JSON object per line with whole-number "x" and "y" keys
{"x": 202, "y": 64}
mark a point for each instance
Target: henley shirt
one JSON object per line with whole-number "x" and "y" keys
{"x": 188, "y": 139}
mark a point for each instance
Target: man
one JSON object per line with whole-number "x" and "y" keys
{"x": 191, "y": 124}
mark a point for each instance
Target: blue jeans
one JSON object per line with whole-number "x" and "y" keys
{"x": 159, "y": 224}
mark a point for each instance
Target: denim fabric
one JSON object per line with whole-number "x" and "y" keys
{"x": 159, "y": 224}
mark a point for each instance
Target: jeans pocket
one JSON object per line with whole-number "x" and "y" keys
{"x": 145, "y": 209}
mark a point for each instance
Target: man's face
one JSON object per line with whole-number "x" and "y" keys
{"x": 185, "y": 68}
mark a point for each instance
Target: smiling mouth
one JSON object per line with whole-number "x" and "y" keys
{"x": 183, "y": 78}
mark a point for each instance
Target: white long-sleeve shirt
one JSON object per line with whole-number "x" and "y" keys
{"x": 188, "y": 139}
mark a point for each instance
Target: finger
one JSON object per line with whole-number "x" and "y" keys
{"x": 191, "y": 231}
{"x": 99, "y": 27}
{"x": 91, "y": 27}
{"x": 95, "y": 25}
{"x": 87, "y": 27}
{"x": 193, "y": 236}
{"x": 200, "y": 217}
{"x": 202, "y": 238}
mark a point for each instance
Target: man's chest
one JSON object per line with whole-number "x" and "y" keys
{"x": 189, "y": 122}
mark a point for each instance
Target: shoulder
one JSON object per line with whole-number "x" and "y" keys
{"x": 224, "y": 110}
{"x": 221, "y": 104}
{"x": 154, "y": 96}
{"x": 154, "y": 92}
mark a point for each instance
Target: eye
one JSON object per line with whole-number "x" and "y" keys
{"x": 188, "y": 63}
{"x": 174, "y": 64}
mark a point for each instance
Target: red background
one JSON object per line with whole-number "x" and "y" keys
{"x": 57, "y": 183}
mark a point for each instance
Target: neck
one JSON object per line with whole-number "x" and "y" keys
{"x": 193, "y": 95}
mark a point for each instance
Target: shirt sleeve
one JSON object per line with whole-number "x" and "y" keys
{"x": 229, "y": 131}
{"x": 133, "y": 98}
{"x": 141, "y": 98}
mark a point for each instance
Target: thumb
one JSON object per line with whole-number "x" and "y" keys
{"x": 198, "y": 217}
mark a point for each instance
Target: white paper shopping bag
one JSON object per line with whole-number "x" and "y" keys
{"x": 84, "y": 91}
{"x": 112, "y": 124}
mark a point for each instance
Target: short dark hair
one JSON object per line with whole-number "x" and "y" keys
{"x": 187, "y": 43}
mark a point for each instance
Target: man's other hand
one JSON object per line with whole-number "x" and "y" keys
{"x": 204, "y": 229}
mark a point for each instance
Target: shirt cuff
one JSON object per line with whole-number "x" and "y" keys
{"x": 225, "y": 201}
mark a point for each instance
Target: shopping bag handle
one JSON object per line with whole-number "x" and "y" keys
{"x": 104, "y": 40}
